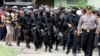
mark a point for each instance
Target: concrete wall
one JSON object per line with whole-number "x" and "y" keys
{"x": 58, "y": 2}
{"x": 48, "y": 2}
{"x": 18, "y": 2}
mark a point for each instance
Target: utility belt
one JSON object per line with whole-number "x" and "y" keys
{"x": 88, "y": 30}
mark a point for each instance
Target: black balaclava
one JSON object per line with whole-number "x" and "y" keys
{"x": 48, "y": 13}
{"x": 35, "y": 12}
{"x": 74, "y": 9}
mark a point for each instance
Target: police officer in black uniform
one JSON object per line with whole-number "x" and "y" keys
{"x": 72, "y": 22}
{"x": 26, "y": 26}
{"x": 48, "y": 40}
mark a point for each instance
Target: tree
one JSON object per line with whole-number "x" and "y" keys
{"x": 81, "y": 3}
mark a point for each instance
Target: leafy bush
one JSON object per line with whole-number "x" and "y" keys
{"x": 81, "y": 3}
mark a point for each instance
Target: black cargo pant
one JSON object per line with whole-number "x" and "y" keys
{"x": 87, "y": 42}
{"x": 73, "y": 42}
{"x": 21, "y": 37}
{"x": 76, "y": 44}
{"x": 28, "y": 37}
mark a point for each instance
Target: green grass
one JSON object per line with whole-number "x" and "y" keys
{"x": 5, "y": 51}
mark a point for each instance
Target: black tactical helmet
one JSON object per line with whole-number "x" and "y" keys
{"x": 35, "y": 11}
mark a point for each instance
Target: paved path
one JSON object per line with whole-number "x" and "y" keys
{"x": 23, "y": 51}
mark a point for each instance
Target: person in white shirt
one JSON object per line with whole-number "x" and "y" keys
{"x": 10, "y": 31}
